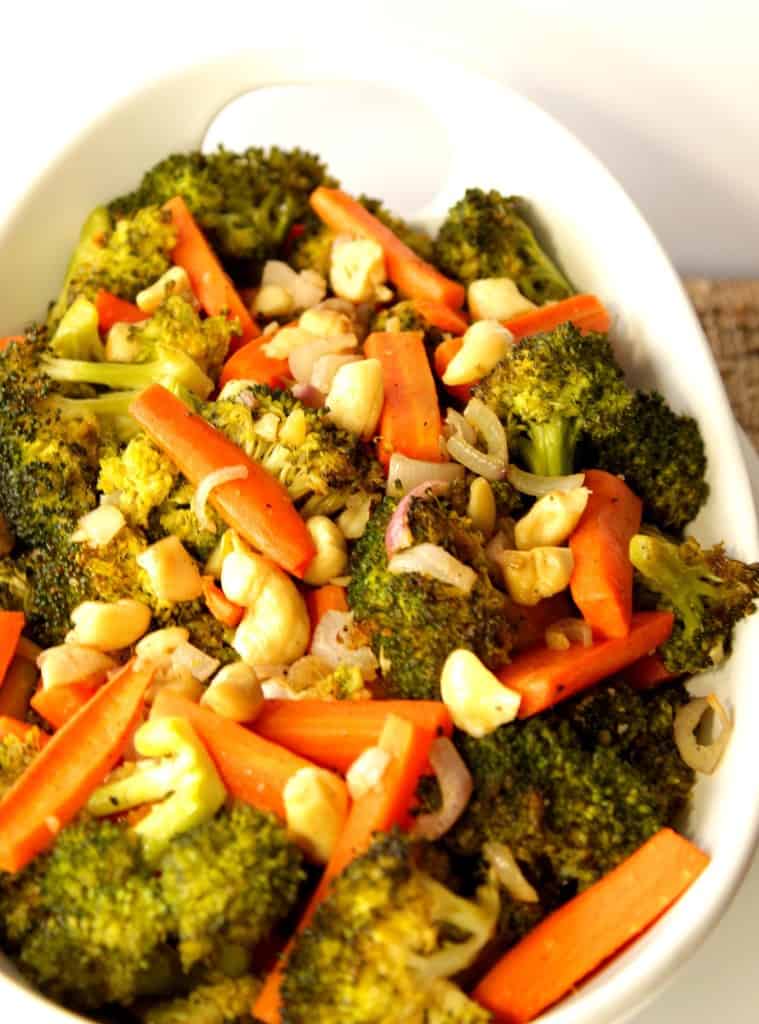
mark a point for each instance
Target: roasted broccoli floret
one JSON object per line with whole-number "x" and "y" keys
{"x": 384, "y": 943}
{"x": 708, "y": 592}
{"x": 122, "y": 257}
{"x": 574, "y": 791}
{"x": 661, "y": 456}
{"x": 485, "y": 235}
{"x": 551, "y": 390}
{"x": 15, "y": 757}
{"x": 321, "y": 465}
{"x": 77, "y": 335}
{"x": 141, "y": 475}
{"x": 413, "y": 621}
{"x": 229, "y": 882}
{"x": 219, "y": 1000}
{"x": 246, "y": 202}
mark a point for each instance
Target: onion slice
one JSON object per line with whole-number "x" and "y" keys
{"x": 537, "y": 486}
{"x": 508, "y": 873}
{"x": 563, "y": 633}
{"x": 457, "y": 426}
{"x": 701, "y": 757}
{"x": 206, "y": 485}
{"x": 398, "y": 534}
{"x": 303, "y": 358}
{"x": 455, "y": 789}
{"x": 481, "y": 420}
{"x": 435, "y": 562}
{"x": 404, "y": 474}
{"x": 331, "y": 643}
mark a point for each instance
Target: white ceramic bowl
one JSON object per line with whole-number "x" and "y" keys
{"x": 417, "y": 131}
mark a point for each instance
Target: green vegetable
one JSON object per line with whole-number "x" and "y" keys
{"x": 15, "y": 757}
{"x": 142, "y": 476}
{"x": 77, "y": 335}
{"x": 217, "y": 1001}
{"x": 384, "y": 942}
{"x": 485, "y": 235}
{"x": 708, "y": 592}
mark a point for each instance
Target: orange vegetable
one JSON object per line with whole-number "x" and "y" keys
{"x": 60, "y": 703}
{"x": 75, "y": 761}
{"x": 18, "y": 686}
{"x": 441, "y": 316}
{"x": 544, "y": 677}
{"x": 378, "y": 811}
{"x": 21, "y": 730}
{"x": 650, "y": 671}
{"x": 209, "y": 280}
{"x": 410, "y": 421}
{"x": 252, "y": 768}
{"x": 578, "y": 937}
{"x": 586, "y": 312}
{"x": 11, "y": 624}
{"x": 602, "y": 579}
{"x": 443, "y": 355}
{"x": 531, "y": 622}
{"x": 9, "y": 340}
{"x": 219, "y": 605}
{"x": 251, "y": 363}
{"x": 409, "y": 273}
{"x": 113, "y": 310}
{"x": 333, "y": 732}
{"x": 320, "y": 600}
{"x": 258, "y": 507}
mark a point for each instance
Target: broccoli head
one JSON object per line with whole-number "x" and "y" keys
{"x": 552, "y": 389}
{"x": 413, "y": 621}
{"x": 15, "y": 757}
{"x": 384, "y": 942}
{"x": 484, "y": 235}
{"x": 141, "y": 475}
{"x": 246, "y": 202}
{"x": 708, "y": 593}
{"x": 217, "y": 1000}
{"x": 176, "y": 325}
{"x": 661, "y": 456}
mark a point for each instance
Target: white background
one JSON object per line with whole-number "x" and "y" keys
{"x": 666, "y": 93}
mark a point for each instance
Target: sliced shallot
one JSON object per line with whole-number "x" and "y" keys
{"x": 404, "y": 474}
{"x": 537, "y": 486}
{"x": 398, "y": 534}
{"x": 508, "y": 872}
{"x": 331, "y": 643}
{"x": 206, "y": 485}
{"x": 701, "y": 757}
{"x": 435, "y": 562}
{"x": 455, "y": 790}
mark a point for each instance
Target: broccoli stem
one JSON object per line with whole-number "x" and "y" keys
{"x": 110, "y": 410}
{"x": 170, "y": 367}
{"x": 549, "y": 450}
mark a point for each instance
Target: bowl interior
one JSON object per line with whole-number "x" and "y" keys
{"x": 418, "y": 143}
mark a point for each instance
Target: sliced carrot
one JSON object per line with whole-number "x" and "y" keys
{"x": 530, "y": 623}
{"x": 252, "y": 768}
{"x": 410, "y": 421}
{"x": 441, "y": 316}
{"x": 251, "y": 363}
{"x": 75, "y": 761}
{"x": 113, "y": 310}
{"x": 9, "y": 340}
{"x": 219, "y": 605}
{"x": 409, "y": 273}
{"x": 586, "y": 312}
{"x": 18, "y": 686}
{"x": 578, "y": 937}
{"x": 602, "y": 579}
{"x": 60, "y": 703}
{"x": 258, "y": 507}
{"x": 21, "y": 730}
{"x": 320, "y": 600}
{"x": 650, "y": 671}
{"x": 11, "y": 624}
{"x": 333, "y": 733}
{"x": 379, "y": 810}
{"x": 443, "y": 355}
{"x": 209, "y": 280}
{"x": 544, "y": 677}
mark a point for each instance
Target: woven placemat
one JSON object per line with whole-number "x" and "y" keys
{"x": 729, "y": 312}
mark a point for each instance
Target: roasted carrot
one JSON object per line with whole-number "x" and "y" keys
{"x": 441, "y": 316}
{"x": 15, "y": 727}
{"x": 11, "y": 624}
{"x": 219, "y": 605}
{"x": 320, "y": 600}
{"x": 544, "y": 677}
{"x": 648, "y": 672}
{"x": 410, "y": 421}
{"x": 209, "y": 280}
{"x": 9, "y": 340}
{"x": 412, "y": 276}
{"x": 443, "y": 355}
{"x": 602, "y": 579}
{"x": 333, "y": 732}
{"x": 251, "y": 363}
{"x": 578, "y": 937}
{"x": 382, "y": 808}
{"x": 60, "y": 703}
{"x": 531, "y": 622}
{"x": 75, "y": 761}
{"x": 113, "y": 310}
{"x": 253, "y": 769}
{"x": 18, "y": 686}
{"x": 586, "y": 312}
{"x": 258, "y": 507}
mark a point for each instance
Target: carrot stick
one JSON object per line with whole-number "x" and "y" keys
{"x": 578, "y": 937}
{"x": 258, "y": 507}
{"x": 410, "y": 421}
{"x": 586, "y": 312}
{"x": 21, "y": 730}
{"x": 113, "y": 310}
{"x": 648, "y": 672}
{"x": 602, "y": 579}
{"x": 219, "y": 605}
{"x": 9, "y": 340}
{"x": 75, "y": 761}
{"x": 252, "y": 768}
{"x": 443, "y": 317}
{"x": 18, "y": 686}
{"x": 333, "y": 733}
{"x": 209, "y": 280}
{"x": 320, "y": 600}
{"x": 443, "y": 355}
{"x": 11, "y": 624}
{"x": 379, "y": 810}
{"x": 251, "y": 363}
{"x": 412, "y": 276}
{"x": 544, "y": 677}
{"x": 60, "y": 703}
